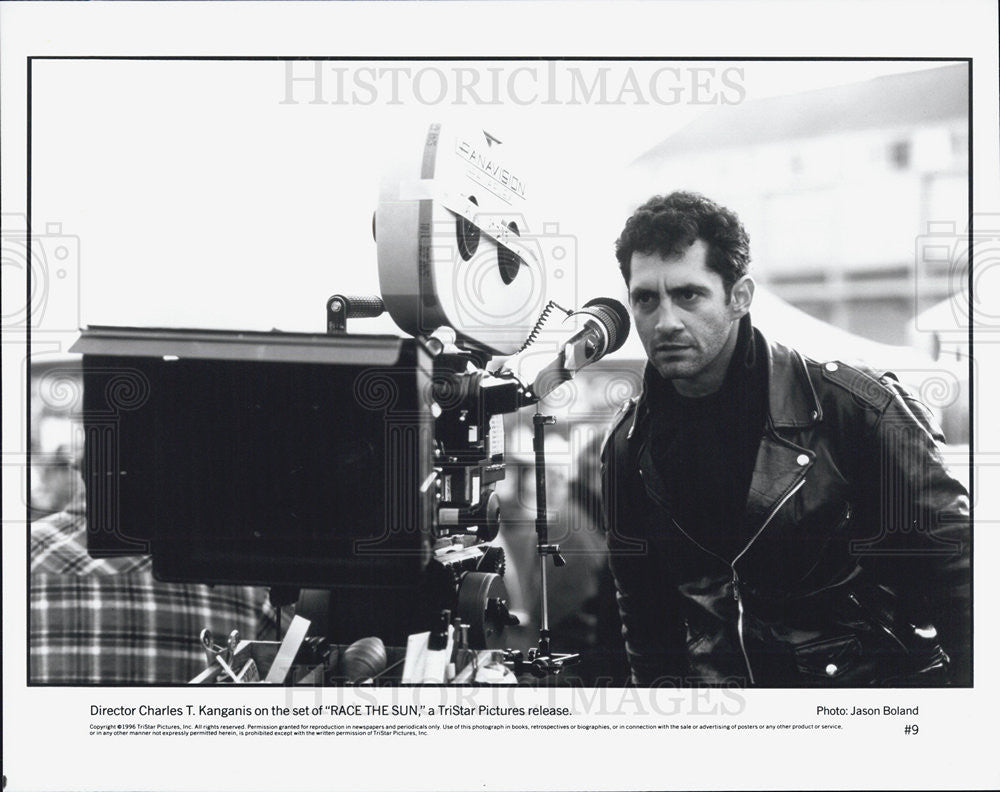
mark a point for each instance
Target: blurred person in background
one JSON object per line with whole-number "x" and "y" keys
{"x": 108, "y": 621}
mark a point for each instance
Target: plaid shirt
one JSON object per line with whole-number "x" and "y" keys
{"x": 109, "y": 621}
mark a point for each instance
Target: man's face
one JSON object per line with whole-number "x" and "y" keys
{"x": 682, "y": 315}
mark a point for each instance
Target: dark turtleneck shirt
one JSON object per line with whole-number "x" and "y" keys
{"x": 705, "y": 448}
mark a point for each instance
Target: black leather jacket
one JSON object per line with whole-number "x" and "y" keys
{"x": 856, "y": 572}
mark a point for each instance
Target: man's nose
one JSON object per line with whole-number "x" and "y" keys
{"x": 668, "y": 320}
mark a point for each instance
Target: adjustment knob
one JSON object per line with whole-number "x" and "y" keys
{"x": 494, "y": 560}
{"x": 475, "y": 608}
{"x": 487, "y": 516}
{"x": 497, "y": 610}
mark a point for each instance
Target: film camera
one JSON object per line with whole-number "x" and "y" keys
{"x": 358, "y": 468}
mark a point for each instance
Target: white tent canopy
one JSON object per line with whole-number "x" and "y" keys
{"x": 780, "y": 321}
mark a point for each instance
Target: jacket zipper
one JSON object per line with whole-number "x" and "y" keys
{"x": 736, "y": 589}
{"x": 732, "y": 565}
{"x": 739, "y": 626}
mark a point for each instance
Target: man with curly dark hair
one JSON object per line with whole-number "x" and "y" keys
{"x": 772, "y": 520}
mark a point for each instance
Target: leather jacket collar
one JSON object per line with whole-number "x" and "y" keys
{"x": 791, "y": 398}
{"x": 783, "y": 460}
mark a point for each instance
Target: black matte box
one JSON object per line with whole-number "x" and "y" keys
{"x": 260, "y": 458}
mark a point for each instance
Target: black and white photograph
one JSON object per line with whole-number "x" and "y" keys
{"x": 409, "y": 394}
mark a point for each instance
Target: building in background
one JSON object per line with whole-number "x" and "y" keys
{"x": 837, "y": 187}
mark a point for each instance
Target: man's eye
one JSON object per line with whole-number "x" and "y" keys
{"x": 687, "y": 296}
{"x": 643, "y": 300}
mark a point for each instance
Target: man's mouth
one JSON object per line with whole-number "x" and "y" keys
{"x": 670, "y": 347}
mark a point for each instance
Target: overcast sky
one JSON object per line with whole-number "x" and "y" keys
{"x": 202, "y": 197}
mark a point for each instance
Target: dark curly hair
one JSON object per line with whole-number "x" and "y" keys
{"x": 670, "y": 224}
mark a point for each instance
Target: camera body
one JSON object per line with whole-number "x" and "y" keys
{"x": 360, "y": 465}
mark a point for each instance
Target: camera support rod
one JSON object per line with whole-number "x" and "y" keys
{"x": 542, "y": 658}
{"x": 542, "y": 527}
